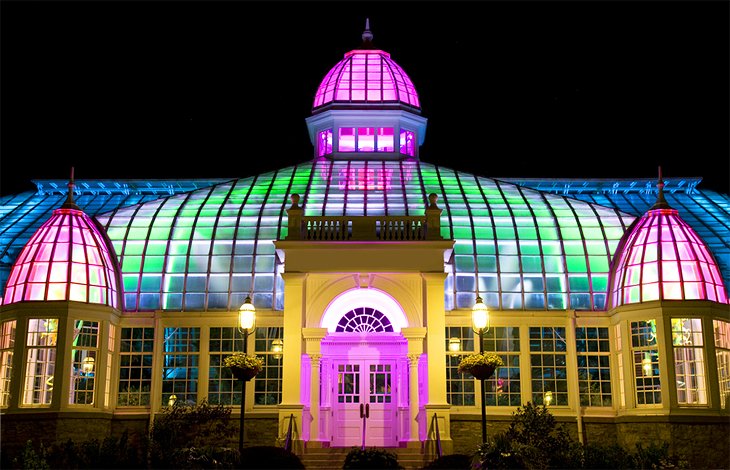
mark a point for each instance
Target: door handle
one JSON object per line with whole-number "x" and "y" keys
{"x": 367, "y": 410}
{"x": 362, "y": 410}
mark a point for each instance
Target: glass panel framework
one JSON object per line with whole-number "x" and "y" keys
{"x": 524, "y": 249}
{"x": 180, "y": 363}
{"x": 366, "y": 76}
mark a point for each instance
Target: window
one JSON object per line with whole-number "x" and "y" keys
{"x": 722, "y": 352}
{"x": 646, "y": 362}
{"x": 180, "y": 364}
{"x": 459, "y": 387}
{"x": 135, "y": 366}
{"x": 503, "y": 388}
{"x": 109, "y": 359}
{"x": 223, "y": 387}
{"x": 366, "y": 139}
{"x": 7, "y": 343}
{"x": 594, "y": 371}
{"x": 41, "y": 361}
{"x": 84, "y": 351}
{"x": 324, "y": 142}
{"x": 407, "y": 143}
{"x": 689, "y": 364}
{"x": 267, "y": 384}
{"x": 548, "y": 366}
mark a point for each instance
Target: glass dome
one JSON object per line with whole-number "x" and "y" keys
{"x": 662, "y": 258}
{"x": 366, "y": 76}
{"x": 66, "y": 259}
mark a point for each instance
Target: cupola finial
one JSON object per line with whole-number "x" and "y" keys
{"x": 367, "y": 36}
{"x": 660, "y": 203}
{"x": 70, "y": 204}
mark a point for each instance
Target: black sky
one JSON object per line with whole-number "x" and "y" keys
{"x": 137, "y": 89}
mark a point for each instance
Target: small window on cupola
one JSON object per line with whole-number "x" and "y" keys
{"x": 407, "y": 143}
{"x": 366, "y": 139}
{"x": 324, "y": 142}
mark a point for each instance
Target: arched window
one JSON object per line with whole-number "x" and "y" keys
{"x": 364, "y": 320}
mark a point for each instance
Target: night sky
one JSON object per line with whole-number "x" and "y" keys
{"x": 221, "y": 89}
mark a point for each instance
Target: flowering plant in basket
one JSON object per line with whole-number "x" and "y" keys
{"x": 244, "y": 366}
{"x": 480, "y": 365}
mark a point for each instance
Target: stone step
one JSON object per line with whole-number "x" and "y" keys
{"x": 334, "y": 458}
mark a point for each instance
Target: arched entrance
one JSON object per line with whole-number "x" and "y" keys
{"x": 364, "y": 371}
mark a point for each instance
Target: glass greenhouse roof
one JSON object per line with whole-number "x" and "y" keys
{"x": 196, "y": 246}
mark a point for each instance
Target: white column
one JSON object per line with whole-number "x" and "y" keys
{"x": 314, "y": 432}
{"x": 413, "y": 360}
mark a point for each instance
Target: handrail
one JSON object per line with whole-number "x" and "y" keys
{"x": 439, "y": 449}
{"x": 287, "y": 441}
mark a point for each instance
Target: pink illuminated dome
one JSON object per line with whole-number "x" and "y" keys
{"x": 662, "y": 258}
{"x": 68, "y": 258}
{"x": 366, "y": 76}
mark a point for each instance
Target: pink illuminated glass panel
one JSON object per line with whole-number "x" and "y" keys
{"x": 663, "y": 258}
{"x": 368, "y": 76}
{"x": 324, "y": 142}
{"x": 407, "y": 143}
{"x": 66, "y": 259}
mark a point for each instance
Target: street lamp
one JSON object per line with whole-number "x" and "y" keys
{"x": 246, "y": 322}
{"x": 480, "y": 325}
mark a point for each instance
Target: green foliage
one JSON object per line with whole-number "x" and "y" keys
{"x": 657, "y": 456}
{"x": 192, "y": 434}
{"x": 370, "y": 459}
{"x": 608, "y": 456}
{"x": 534, "y": 440}
{"x": 110, "y": 453}
{"x": 269, "y": 457}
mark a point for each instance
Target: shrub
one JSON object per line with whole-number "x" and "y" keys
{"x": 608, "y": 456}
{"x": 192, "y": 434}
{"x": 452, "y": 461}
{"x": 370, "y": 459}
{"x": 269, "y": 457}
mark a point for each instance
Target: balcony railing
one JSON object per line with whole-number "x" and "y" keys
{"x": 364, "y": 228}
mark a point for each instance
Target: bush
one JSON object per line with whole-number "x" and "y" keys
{"x": 452, "y": 461}
{"x": 370, "y": 459}
{"x": 192, "y": 435}
{"x": 269, "y": 457}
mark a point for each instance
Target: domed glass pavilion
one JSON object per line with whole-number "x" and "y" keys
{"x": 363, "y": 263}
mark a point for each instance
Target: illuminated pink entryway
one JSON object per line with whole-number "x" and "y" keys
{"x": 364, "y": 372}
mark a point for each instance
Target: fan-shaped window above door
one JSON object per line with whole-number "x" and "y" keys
{"x": 364, "y": 320}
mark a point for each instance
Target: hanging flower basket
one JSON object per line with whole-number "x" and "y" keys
{"x": 481, "y": 366}
{"x": 244, "y": 366}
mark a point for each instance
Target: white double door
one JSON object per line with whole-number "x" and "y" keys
{"x": 364, "y": 403}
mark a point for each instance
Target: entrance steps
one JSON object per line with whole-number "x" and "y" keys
{"x": 332, "y": 458}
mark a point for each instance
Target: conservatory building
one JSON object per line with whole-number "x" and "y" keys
{"x": 606, "y": 298}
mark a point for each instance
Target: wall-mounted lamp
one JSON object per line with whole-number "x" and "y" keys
{"x": 87, "y": 365}
{"x": 548, "y": 398}
{"x": 277, "y": 347}
{"x": 454, "y": 346}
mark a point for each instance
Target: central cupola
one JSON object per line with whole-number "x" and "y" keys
{"x": 366, "y": 108}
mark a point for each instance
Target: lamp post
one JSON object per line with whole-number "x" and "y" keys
{"x": 246, "y": 322}
{"x": 480, "y": 325}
